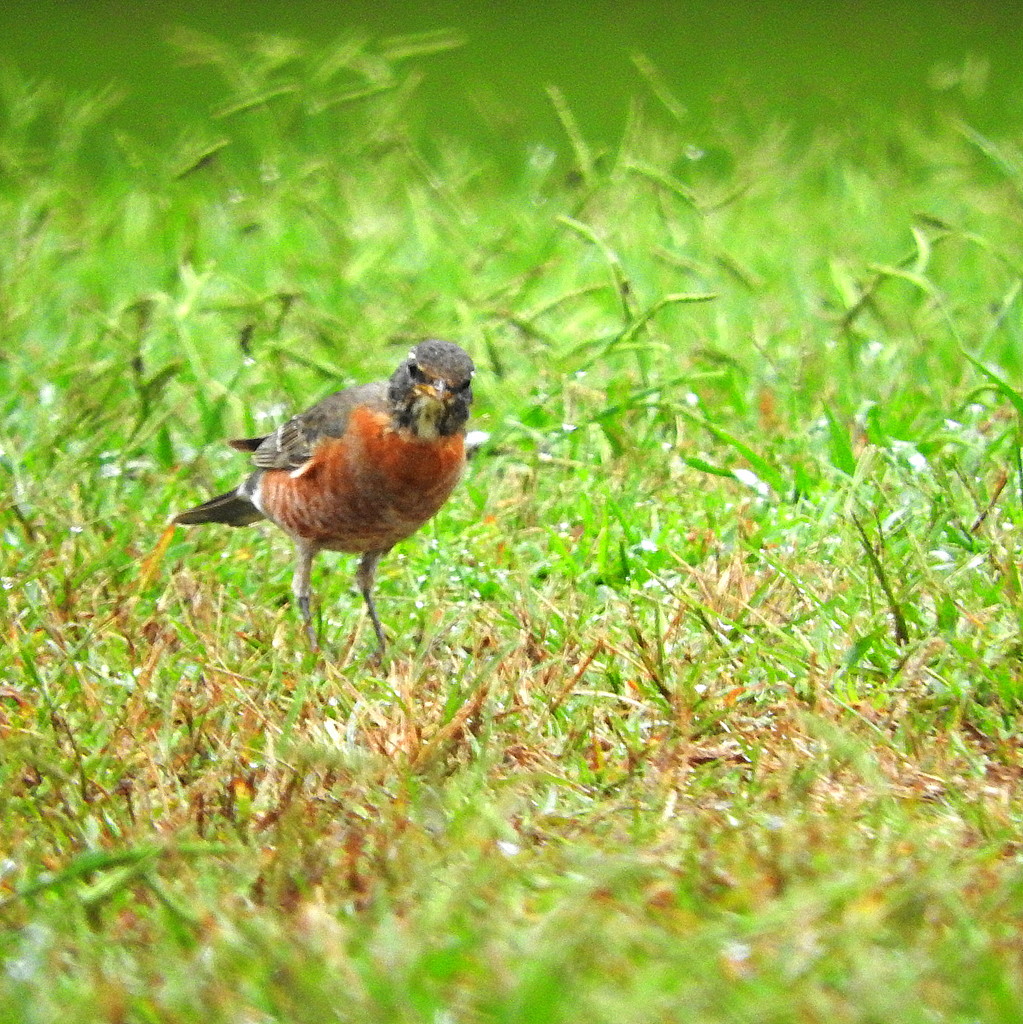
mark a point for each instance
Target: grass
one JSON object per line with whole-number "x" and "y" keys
{"x": 705, "y": 689}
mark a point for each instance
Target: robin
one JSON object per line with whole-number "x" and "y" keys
{"x": 359, "y": 471}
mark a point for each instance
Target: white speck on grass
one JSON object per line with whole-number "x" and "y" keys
{"x": 648, "y": 544}
{"x": 893, "y": 519}
{"x": 476, "y": 439}
{"x": 509, "y": 849}
{"x": 273, "y": 412}
{"x": 30, "y": 960}
{"x": 736, "y": 952}
{"x": 914, "y": 459}
{"x": 47, "y": 393}
{"x": 541, "y": 158}
{"x": 691, "y": 398}
{"x": 751, "y": 480}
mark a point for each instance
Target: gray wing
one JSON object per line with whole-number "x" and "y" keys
{"x": 292, "y": 444}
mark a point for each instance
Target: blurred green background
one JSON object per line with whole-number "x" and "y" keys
{"x": 799, "y": 62}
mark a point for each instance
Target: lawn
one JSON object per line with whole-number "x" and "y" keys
{"x": 704, "y": 688}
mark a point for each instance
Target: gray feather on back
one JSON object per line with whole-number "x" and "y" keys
{"x": 292, "y": 444}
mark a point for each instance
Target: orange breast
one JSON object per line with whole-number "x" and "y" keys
{"x": 367, "y": 490}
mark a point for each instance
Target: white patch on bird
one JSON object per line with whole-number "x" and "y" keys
{"x": 255, "y": 495}
{"x": 301, "y": 471}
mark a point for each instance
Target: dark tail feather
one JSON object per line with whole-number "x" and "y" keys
{"x": 232, "y": 508}
{"x": 247, "y": 444}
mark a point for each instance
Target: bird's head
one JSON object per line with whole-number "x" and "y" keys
{"x": 432, "y": 390}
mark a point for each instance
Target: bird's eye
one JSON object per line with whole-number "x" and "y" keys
{"x": 416, "y": 373}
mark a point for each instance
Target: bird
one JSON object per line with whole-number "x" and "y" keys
{"x": 359, "y": 471}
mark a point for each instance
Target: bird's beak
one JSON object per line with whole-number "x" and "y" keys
{"x": 436, "y": 390}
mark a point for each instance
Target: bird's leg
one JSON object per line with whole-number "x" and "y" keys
{"x": 300, "y": 587}
{"x": 364, "y": 577}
